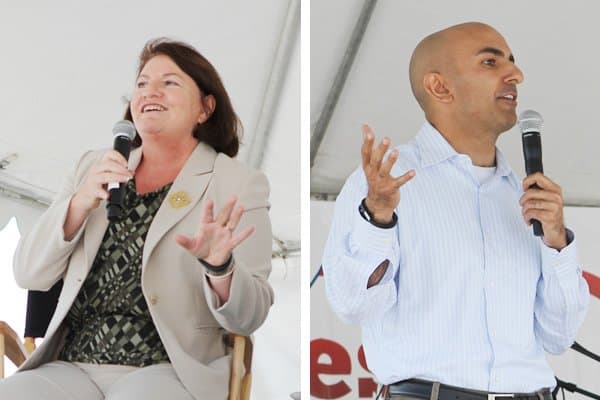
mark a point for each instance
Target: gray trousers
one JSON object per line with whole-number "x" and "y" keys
{"x": 60, "y": 380}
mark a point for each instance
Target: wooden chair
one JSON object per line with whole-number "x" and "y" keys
{"x": 40, "y": 308}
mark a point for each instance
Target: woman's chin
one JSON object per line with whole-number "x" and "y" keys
{"x": 148, "y": 131}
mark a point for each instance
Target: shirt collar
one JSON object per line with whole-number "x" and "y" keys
{"x": 433, "y": 146}
{"x": 434, "y": 149}
{"x": 504, "y": 169}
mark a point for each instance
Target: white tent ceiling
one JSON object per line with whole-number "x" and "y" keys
{"x": 67, "y": 66}
{"x": 554, "y": 43}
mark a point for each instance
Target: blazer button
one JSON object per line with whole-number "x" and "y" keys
{"x": 153, "y": 299}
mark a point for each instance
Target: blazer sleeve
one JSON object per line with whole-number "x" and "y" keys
{"x": 251, "y": 295}
{"x": 42, "y": 254}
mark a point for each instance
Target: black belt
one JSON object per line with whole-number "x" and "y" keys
{"x": 422, "y": 389}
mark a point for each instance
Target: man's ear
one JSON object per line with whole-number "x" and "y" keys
{"x": 208, "y": 106}
{"x": 437, "y": 87}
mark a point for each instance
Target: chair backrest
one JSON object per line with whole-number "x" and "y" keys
{"x": 40, "y": 309}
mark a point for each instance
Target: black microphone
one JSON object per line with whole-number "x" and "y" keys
{"x": 123, "y": 132}
{"x": 530, "y": 123}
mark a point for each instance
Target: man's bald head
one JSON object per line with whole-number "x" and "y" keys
{"x": 436, "y": 53}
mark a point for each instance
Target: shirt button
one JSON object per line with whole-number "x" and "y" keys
{"x": 153, "y": 299}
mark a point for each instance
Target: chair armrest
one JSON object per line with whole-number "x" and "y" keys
{"x": 15, "y": 351}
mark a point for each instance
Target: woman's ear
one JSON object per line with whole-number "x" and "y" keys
{"x": 208, "y": 107}
{"x": 437, "y": 87}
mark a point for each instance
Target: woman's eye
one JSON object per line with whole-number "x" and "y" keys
{"x": 171, "y": 83}
{"x": 140, "y": 85}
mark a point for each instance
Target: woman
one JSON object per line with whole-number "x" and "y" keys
{"x": 147, "y": 299}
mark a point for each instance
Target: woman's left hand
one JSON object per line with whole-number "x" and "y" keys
{"x": 214, "y": 241}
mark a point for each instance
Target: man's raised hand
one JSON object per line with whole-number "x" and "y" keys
{"x": 384, "y": 194}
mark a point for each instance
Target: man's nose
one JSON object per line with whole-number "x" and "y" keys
{"x": 515, "y": 75}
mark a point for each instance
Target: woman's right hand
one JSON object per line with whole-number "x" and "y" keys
{"x": 112, "y": 167}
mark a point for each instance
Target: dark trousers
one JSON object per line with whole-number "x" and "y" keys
{"x": 434, "y": 394}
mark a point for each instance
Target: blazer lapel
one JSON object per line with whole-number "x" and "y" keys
{"x": 190, "y": 184}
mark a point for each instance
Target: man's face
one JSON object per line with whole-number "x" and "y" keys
{"x": 484, "y": 80}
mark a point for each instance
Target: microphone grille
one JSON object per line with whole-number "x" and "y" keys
{"x": 124, "y": 128}
{"x": 530, "y": 121}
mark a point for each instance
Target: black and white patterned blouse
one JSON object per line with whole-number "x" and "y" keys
{"x": 109, "y": 322}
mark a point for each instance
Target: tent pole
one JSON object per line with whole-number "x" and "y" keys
{"x": 318, "y": 131}
{"x": 272, "y": 97}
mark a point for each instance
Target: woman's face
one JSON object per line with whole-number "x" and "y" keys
{"x": 166, "y": 100}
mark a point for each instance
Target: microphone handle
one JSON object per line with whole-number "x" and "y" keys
{"x": 116, "y": 192}
{"x": 533, "y": 166}
{"x": 532, "y": 150}
{"x": 537, "y": 225}
{"x": 114, "y": 207}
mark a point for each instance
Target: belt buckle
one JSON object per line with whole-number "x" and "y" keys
{"x": 494, "y": 396}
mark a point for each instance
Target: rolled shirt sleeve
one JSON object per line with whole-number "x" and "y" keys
{"x": 562, "y": 297}
{"x": 354, "y": 249}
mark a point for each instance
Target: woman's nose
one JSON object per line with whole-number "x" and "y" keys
{"x": 151, "y": 90}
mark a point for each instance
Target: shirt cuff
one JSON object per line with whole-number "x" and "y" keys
{"x": 560, "y": 262}
{"x": 371, "y": 239}
{"x": 371, "y": 246}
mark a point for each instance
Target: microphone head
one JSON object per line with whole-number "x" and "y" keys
{"x": 530, "y": 121}
{"x": 124, "y": 128}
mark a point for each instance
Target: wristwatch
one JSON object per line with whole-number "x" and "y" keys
{"x": 368, "y": 216}
{"x": 218, "y": 270}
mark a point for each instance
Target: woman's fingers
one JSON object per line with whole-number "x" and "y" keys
{"x": 225, "y": 212}
{"x": 105, "y": 178}
{"x": 115, "y": 156}
{"x": 235, "y": 218}
{"x": 207, "y": 213}
{"x": 243, "y": 235}
{"x": 214, "y": 237}
{"x": 184, "y": 241}
{"x": 102, "y": 194}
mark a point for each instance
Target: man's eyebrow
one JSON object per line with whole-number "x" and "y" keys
{"x": 496, "y": 52}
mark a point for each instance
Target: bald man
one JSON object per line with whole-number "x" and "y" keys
{"x": 431, "y": 249}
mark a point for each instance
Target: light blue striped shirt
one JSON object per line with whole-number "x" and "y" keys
{"x": 471, "y": 297}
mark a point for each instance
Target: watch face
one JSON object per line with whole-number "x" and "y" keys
{"x": 362, "y": 209}
{"x": 364, "y": 212}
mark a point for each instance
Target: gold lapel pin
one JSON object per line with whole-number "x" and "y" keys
{"x": 179, "y": 199}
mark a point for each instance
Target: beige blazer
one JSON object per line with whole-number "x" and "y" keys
{"x": 185, "y": 311}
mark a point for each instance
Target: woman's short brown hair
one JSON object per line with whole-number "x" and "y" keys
{"x": 222, "y": 129}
